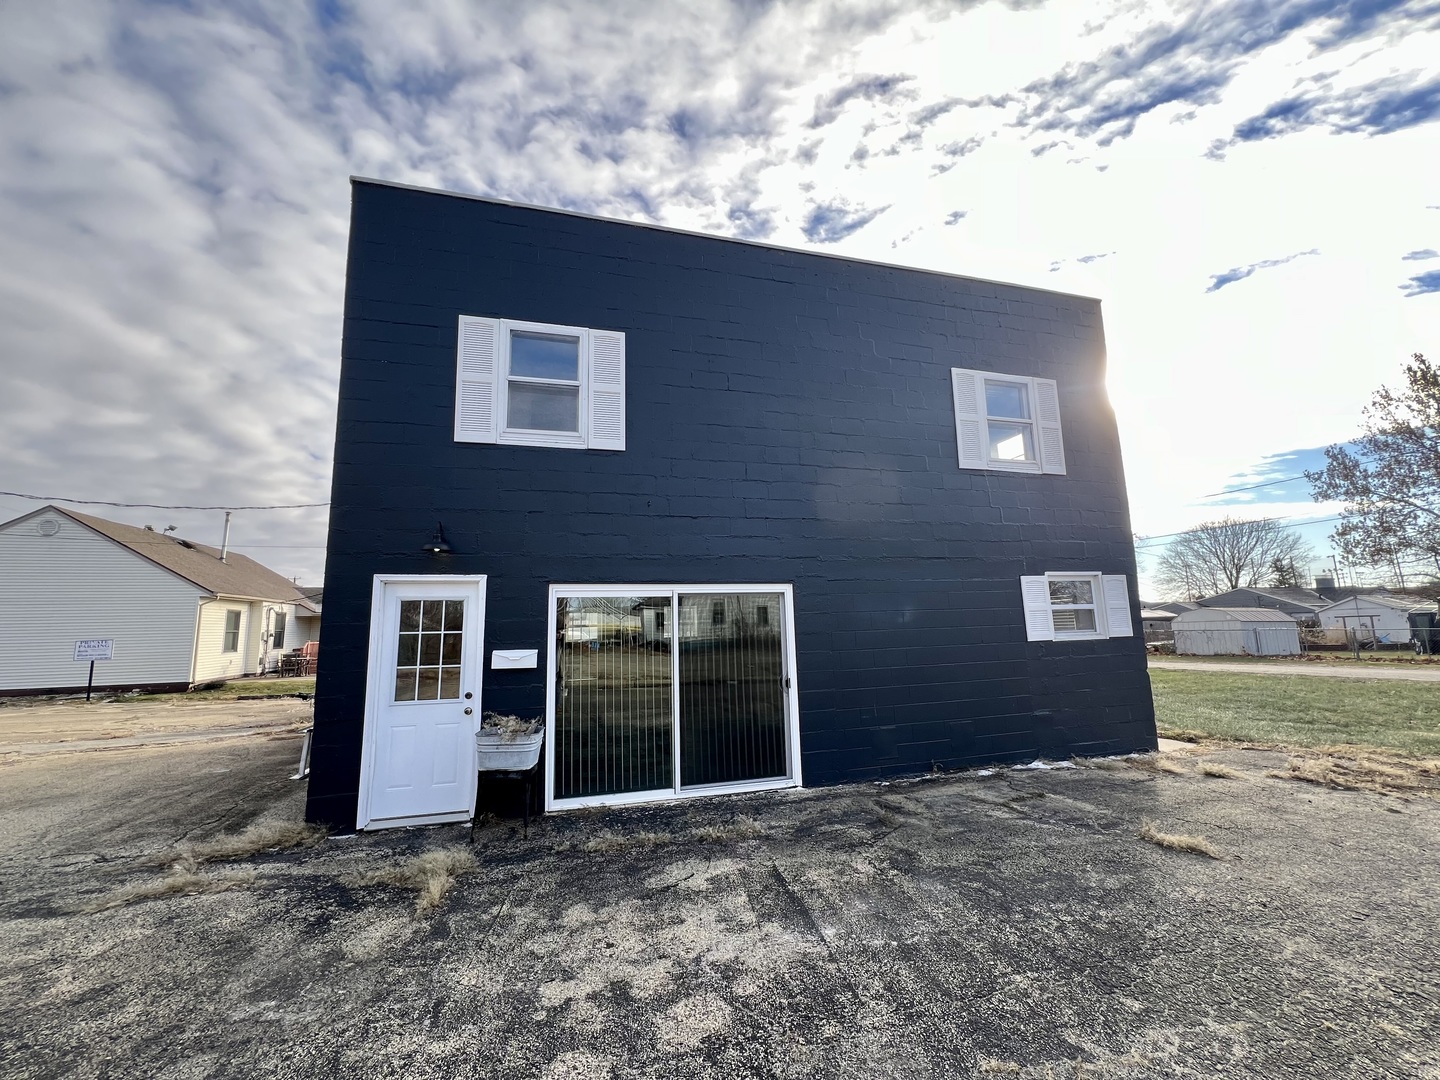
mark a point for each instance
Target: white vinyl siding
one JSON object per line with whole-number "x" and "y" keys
{"x": 57, "y": 589}
{"x": 1051, "y": 617}
{"x": 211, "y": 660}
{"x": 1034, "y": 422}
{"x": 484, "y": 384}
{"x": 300, "y": 626}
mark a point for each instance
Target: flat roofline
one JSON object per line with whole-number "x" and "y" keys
{"x": 714, "y": 236}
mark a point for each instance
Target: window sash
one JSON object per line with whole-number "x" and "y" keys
{"x": 231, "y": 642}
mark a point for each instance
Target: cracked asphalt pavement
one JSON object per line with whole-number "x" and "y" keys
{"x": 962, "y": 925}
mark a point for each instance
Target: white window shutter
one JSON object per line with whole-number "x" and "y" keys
{"x": 1047, "y": 421}
{"x": 969, "y": 418}
{"x": 1035, "y": 593}
{"x": 1117, "y": 605}
{"x": 607, "y": 390}
{"x": 477, "y": 381}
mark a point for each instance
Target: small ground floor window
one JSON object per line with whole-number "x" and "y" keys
{"x": 659, "y": 692}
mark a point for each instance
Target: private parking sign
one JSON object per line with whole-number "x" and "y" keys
{"x": 95, "y": 649}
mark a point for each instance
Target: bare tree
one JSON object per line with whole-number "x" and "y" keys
{"x": 1390, "y": 481}
{"x": 1216, "y": 556}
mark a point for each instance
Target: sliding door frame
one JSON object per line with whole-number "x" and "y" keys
{"x": 791, "y": 687}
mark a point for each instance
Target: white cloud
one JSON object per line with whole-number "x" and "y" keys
{"x": 175, "y": 206}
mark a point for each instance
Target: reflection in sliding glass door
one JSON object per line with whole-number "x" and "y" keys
{"x": 732, "y": 693}
{"x": 661, "y": 691}
{"x": 614, "y": 718}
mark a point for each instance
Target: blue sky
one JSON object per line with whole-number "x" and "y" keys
{"x": 1250, "y": 188}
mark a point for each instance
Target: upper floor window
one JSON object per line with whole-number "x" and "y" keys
{"x": 1007, "y": 422}
{"x": 536, "y": 384}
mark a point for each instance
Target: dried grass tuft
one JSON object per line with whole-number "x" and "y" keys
{"x": 1364, "y": 772}
{"x": 1214, "y": 768}
{"x": 995, "y": 1067}
{"x": 1196, "y": 845}
{"x": 608, "y": 841}
{"x": 1109, "y": 764}
{"x": 183, "y": 879}
{"x": 742, "y": 828}
{"x": 431, "y": 874}
{"x": 1156, "y": 763}
{"x": 260, "y": 837}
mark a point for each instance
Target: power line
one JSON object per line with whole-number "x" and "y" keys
{"x": 159, "y": 506}
{"x": 1252, "y": 487}
{"x": 1278, "y": 524}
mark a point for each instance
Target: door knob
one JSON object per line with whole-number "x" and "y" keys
{"x": 468, "y": 710}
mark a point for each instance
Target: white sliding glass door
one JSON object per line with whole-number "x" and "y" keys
{"x": 659, "y": 692}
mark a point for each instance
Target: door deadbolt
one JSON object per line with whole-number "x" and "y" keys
{"x": 468, "y": 695}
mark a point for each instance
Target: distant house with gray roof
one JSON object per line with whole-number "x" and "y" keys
{"x": 179, "y": 613}
{"x": 1299, "y": 603}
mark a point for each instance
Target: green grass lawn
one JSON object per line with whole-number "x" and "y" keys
{"x": 1299, "y": 710}
{"x": 232, "y": 690}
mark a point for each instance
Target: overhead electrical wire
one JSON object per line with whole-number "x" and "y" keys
{"x": 159, "y": 506}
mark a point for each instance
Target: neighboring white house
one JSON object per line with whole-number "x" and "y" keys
{"x": 1236, "y": 632}
{"x": 178, "y": 613}
{"x": 1374, "y": 617}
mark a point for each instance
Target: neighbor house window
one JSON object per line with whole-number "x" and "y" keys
{"x": 1066, "y": 606}
{"x": 717, "y": 613}
{"x": 539, "y": 384}
{"x": 232, "y": 632}
{"x": 762, "y": 615}
{"x": 277, "y": 637}
{"x": 1007, "y": 422}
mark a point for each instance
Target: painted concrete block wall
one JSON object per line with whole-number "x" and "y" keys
{"x": 74, "y": 583}
{"x": 789, "y": 420}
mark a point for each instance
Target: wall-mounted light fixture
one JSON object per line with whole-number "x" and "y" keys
{"x": 437, "y": 544}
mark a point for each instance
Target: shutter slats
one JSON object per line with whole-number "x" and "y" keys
{"x": 1117, "y": 605}
{"x": 1047, "y": 421}
{"x": 1035, "y": 593}
{"x": 476, "y": 379}
{"x": 607, "y": 390}
{"x": 969, "y": 421}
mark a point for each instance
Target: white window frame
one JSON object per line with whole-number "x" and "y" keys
{"x": 1112, "y": 606}
{"x": 530, "y": 436}
{"x": 676, "y": 791}
{"x": 225, "y": 634}
{"x": 483, "y": 380}
{"x": 972, "y": 421}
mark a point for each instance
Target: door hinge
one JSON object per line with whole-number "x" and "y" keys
{"x": 787, "y": 682}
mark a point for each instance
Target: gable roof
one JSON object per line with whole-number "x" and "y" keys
{"x": 1283, "y": 597}
{"x": 198, "y": 564}
{"x": 1398, "y": 603}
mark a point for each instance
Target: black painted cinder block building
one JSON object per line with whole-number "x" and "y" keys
{"x": 728, "y": 516}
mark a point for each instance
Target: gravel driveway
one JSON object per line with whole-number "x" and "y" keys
{"x": 1011, "y": 924}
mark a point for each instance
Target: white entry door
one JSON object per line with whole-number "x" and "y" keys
{"x": 423, "y": 701}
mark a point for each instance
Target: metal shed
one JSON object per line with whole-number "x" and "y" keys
{"x": 1236, "y": 632}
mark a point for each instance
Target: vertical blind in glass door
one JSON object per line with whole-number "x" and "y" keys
{"x": 639, "y": 676}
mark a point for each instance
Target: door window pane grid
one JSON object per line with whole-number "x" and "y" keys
{"x": 428, "y": 650}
